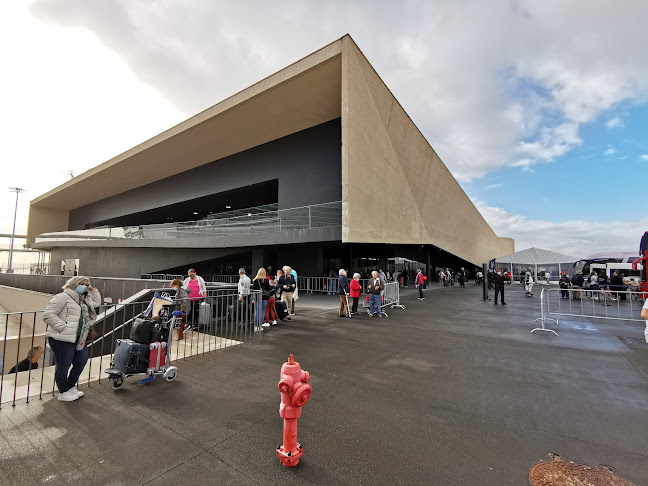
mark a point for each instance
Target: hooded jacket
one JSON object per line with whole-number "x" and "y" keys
{"x": 63, "y": 312}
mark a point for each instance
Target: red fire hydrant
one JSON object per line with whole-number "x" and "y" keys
{"x": 295, "y": 392}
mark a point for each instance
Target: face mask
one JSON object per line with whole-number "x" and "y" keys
{"x": 192, "y": 277}
{"x": 81, "y": 289}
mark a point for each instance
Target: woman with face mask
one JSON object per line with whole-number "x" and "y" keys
{"x": 70, "y": 317}
{"x": 197, "y": 291}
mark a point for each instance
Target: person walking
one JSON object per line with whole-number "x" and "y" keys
{"x": 617, "y": 285}
{"x": 70, "y": 317}
{"x": 420, "y": 282}
{"x": 197, "y": 292}
{"x": 261, "y": 284}
{"x": 563, "y": 283}
{"x": 243, "y": 287}
{"x": 441, "y": 277}
{"x": 528, "y": 284}
{"x": 287, "y": 285}
{"x": 343, "y": 291}
{"x": 30, "y": 362}
{"x": 375, "y": 290}
{"x": 181, "y": 299}
{"x": 356, "y": 288}
{"x": 498, "y": 281}
{"x": 404, "y": 274}
{"x": 462, "y": 277}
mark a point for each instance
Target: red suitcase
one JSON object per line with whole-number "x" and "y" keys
{"x": 157, "y": 356}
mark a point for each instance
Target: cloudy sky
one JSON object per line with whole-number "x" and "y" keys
{"x": 539, "y": 108}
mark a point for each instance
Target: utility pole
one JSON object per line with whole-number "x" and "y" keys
{"x": 17, "y": 190}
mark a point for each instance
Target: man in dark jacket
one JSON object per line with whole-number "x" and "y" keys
{"x": 577, "y": 282}
{"x": 376, "y": 286}
{"x": 343, "y": 291}
{"x": 616, "y": 285}
{"x": 563, "y": 283}
{"x": 462, "y": 277}
{"x": 286, "y": 284}
{"x": 498, "y": 280}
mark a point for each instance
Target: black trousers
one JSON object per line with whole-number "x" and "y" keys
{"x": 499, "y": 289}
{"x": 420, "y": 289}
{"x": 354, "y": 306}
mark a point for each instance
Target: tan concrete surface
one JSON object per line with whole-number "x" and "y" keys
{"x": 392, "y": 178}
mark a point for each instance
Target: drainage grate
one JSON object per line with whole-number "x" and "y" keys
{"x": 563, "y": 473}
{"x": 632, "y": 340}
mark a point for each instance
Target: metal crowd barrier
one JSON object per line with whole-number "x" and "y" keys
{"x": 223, "y": 321}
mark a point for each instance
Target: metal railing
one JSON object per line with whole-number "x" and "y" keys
{"x": 618, "y": 305}
{"x": 306, "y": 217}
{"x": 220, "y": 321}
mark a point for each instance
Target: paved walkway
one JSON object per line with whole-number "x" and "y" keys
{"x": 450, "y": 391}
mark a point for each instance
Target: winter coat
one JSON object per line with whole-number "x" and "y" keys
{"x": 419, "y": 279}
{"x": 578, "y": 280}
{"x": 63, "y": 312}
{"x": 182, "y": 298}
{"x": 356, "y": 287}
{"x": 244, "y": 286}
{"x": 373, "y": 283}
{"x": 343, "y": 285}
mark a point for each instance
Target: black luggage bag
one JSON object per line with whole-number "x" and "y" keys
{"x": 282, "y": 309}
{"x": 130, "y": 357}
{"x": 142, "y": 331}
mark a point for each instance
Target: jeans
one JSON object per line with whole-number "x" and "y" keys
{"x": 420, "y": 289}
{"x": 66, "y": 355}
{"x": 374, "y": 304}
{"x": 261, "y": 317}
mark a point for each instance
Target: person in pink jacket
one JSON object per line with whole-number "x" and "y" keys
{"x": 354, "y": 293}
{"x": 419, "y": 283}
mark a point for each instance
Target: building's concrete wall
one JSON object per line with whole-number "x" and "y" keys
{"x": 44, "y": 220}
{"x": 395, "y": 189}
{"x": 307, "y": 164}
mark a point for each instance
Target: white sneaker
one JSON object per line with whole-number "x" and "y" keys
{"x": 68, "y": 396}
{"x": 258, "y": 329}
{"x": 274, "y": 323}
{"x": 266, "y": 324}
{"x": 77, "y": 391}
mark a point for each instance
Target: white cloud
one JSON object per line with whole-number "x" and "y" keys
{"x": 644, "y": 157}
{"x": 490, "y": 187}
{"x": 576, "y": 237}
{"x": 609, "y": 151}
{"x": 615, "y": 122}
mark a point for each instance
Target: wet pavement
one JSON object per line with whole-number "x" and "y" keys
{"x": 450, "y": 391}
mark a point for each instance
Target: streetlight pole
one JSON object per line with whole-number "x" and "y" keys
{"x": 17, "y": 190}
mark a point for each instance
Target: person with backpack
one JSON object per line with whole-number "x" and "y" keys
{"x": 577, "y": 282}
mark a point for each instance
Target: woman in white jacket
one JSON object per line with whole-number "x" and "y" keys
{"x": 70, "y": 317}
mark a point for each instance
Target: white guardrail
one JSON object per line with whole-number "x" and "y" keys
{"x": 620, "y": 305}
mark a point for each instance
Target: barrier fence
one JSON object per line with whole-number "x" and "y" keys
{"x": 221, "y": 321}
{"x": 619, "y": 305}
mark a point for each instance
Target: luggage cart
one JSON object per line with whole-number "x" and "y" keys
{"x": 169, "y": 373}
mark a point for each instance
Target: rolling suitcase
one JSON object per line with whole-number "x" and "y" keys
{"x": 157, "y": 356}
{"x": 131, "y": 357}
{"x": 204, "y": 314}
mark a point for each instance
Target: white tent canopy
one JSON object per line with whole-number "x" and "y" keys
{"x": 537, "y": 256}
{"x": 532, "y": 258}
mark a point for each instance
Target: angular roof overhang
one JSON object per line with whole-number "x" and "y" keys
{"x": 303, "y": 95}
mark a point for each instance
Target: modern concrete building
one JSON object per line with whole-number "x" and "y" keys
{"x": 317, "y": 166}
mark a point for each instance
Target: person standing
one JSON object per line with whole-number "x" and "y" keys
{"x": 528, "y": 284}
{"x": 343, "y": 291}
{"x": 286, "y": 284}
{"x": 296, "y": 291}
{"x": 498, "y": 281}
{"x": 375, "y": 290}
{"x": 420, "y": 282}
{"x": 577, "y": 282}
{"x": 356, "y": 288}
{"x": 441, "y": 277}
{"x": 70, "y": 317}
{"x": 563, "y": 283}
{"x": 548, "y": 277}
{"x": 261, "y": 284}
{"x": 244, "y": 285}
{"x": 616, "y": 284}
{"x": 404, "y": 274}
{"x": 462, "y": 278}
{"x": 644, "y": 314}
{"x": 181, "y": 299}
{"x": 197, "y": 292}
